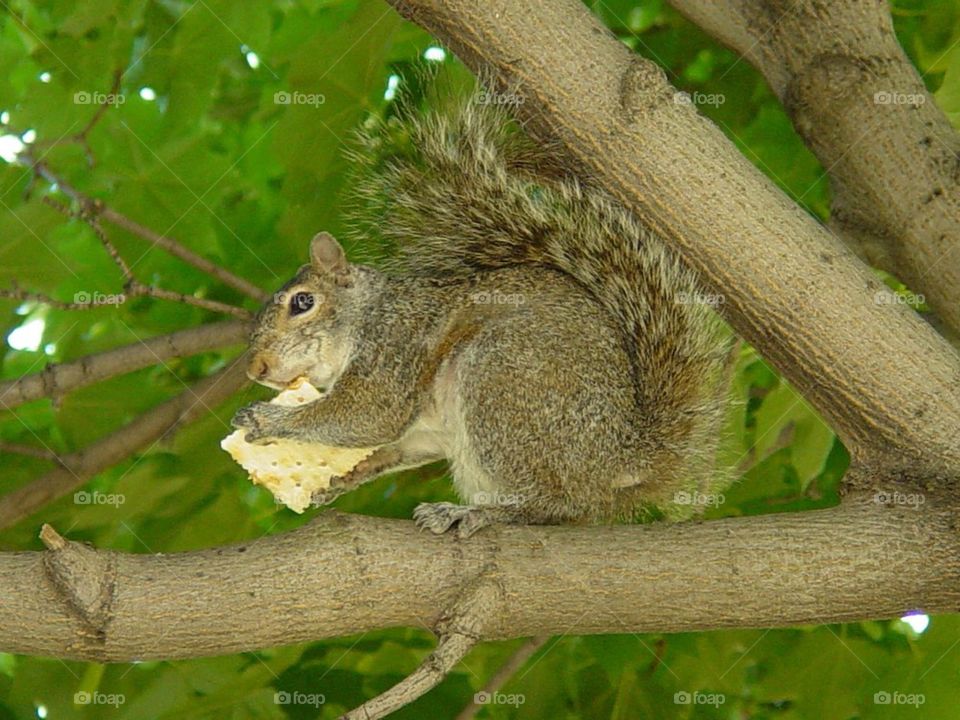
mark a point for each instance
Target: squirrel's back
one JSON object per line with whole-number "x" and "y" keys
{"x": 462, "y": 190}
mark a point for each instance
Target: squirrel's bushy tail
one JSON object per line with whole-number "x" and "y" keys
{"x": 463, "y": 189}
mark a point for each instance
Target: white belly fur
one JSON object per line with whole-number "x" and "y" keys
{"x": 440, "y": 431}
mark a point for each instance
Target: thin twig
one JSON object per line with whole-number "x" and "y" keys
{"x": 16, "y": 293}
{"x": 57, "y": 380}
{"x": 133, "y": 289}
{"x": 29, "y": 450}
{"x": 110, "y": 248}
{"x": 81, "y": 137}
{"x": 137, "y": 290}
{"x": 88, "y": 214}
{"x": 101, "y": 109}
{"x": 162, "y": 241}
{"x": 504, "y": 673}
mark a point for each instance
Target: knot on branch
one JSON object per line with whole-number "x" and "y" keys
{"x": 829, "y": 82}
{"x": 83, "y": 577}
{"x": 470, "y": 616}
{"x": 643, "y": 87}
{"x": 48, "y": 379}
{"x": 91, "y": 208}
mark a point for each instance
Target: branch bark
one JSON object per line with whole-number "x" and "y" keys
{"x": 858, "y": 102}
{"x": 75, "y": 469}
{"x": 57, "y": 380}
{"x": 345, "y": 574}
{"x": 790, "y": 287}
{"x": 459, "y": 630}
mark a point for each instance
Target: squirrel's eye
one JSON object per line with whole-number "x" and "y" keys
{"x": 301, "y": 302}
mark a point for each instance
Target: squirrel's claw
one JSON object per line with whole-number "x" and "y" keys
{"x": 324, "y": 497}
{"x": 440, "y": 517}
{"x": 243, "y": 418}
{"x": 257, "y": 419}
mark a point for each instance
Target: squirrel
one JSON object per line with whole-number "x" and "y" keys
{"x": 528, "y": 329}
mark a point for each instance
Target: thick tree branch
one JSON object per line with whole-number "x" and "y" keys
{"x": 790, "y": 287}
{"x": 860, "y": 105}
{"x": 345, "y": 574}
{"x": 75, "y": 469}
{"x": 58, "y": 380}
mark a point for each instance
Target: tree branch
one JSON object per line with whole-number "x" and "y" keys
{"x": 57, "y": 380}
{"x": 136, "y": 289}
{"x": 131, "y": 287}
{"x": 82, "y": 138}
{"x": 459, "y": 630}
{"x": 28, "y": 450}
{"x": 98, "y": 208}
{"x": 858, "y": 102}
{"x": 75, "y": 469}
{"x": 790, "y": 287}
{"x": 345, "y": 574}
{"x": 504, "y": 673}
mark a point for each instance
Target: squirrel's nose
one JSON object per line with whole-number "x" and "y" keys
{"x": 259, "y": 366}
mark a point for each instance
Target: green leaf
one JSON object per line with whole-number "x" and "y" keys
{"x": 785, "y": 419}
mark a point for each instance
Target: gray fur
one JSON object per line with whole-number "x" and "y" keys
{"x": 529, "y": 330}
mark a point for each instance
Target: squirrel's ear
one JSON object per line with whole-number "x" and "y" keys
{"x": 327, "y": 255}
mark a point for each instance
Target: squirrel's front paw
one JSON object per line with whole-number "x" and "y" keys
{"x": 320, "y": 498}
{"x": 261, "y": 420}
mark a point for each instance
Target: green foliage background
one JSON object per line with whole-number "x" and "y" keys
{"x": 214, "y": 161}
